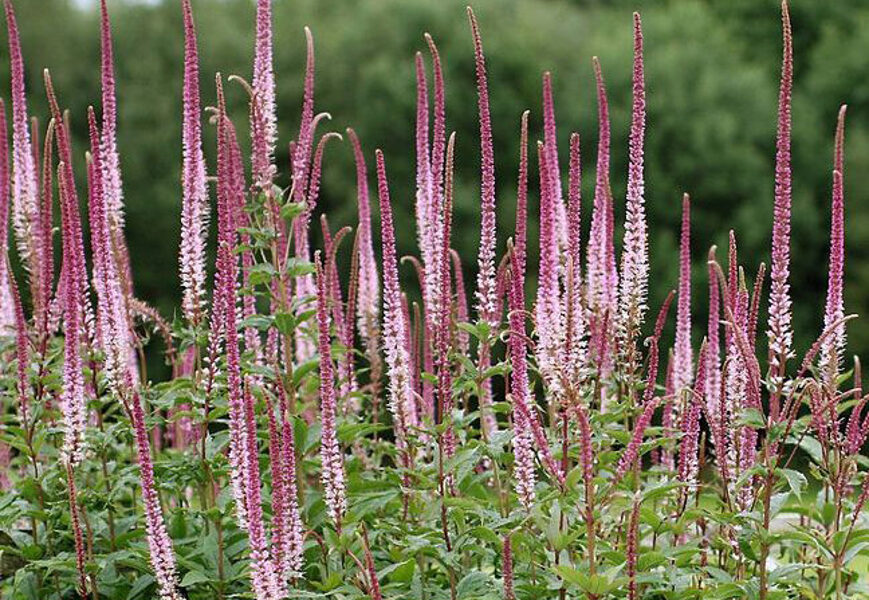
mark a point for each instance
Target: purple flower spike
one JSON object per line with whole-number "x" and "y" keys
{"x": 833, "y": 350}
{"x": 112, "y": 181}
{"x": 779, "y": 329}
{"x": 194, "y": 201}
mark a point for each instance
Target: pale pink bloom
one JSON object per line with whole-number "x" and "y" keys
{"x": 194, "y": 201}
{"x": 7, "y": 309}
{"x": 486, "y": 257}
{"x": 332, "y": 458}
{"x": 635, "y": 252}
{"x": 396, "y": 336}
{"x": 548, "y": 308}
{"x": 779, "y": 329}
{"x": 264, "y": 120}
{"x": 368, "y": 291}
{"x": 833, "y": 350}
{"x": 111, "y": 310}
{"x": 682, "y": 354}
{"x": 112, "y": 182}
{"x": 690, "y": 427}
{"x": 25, "y": 180}
{"x": 713, "y": 406}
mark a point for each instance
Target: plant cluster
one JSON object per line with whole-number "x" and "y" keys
{"x": 326, "y": 433}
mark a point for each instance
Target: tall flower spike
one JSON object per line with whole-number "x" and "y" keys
{"x": 25, "y": 181}
{"x": 396, "y": 337}
{"x": 7, "y": 311}
{"x": 779, "y": 329}
{"x": 601, "y": 274}
{"x": 330, "y": 450}
{"x": 72, "y": 400}
{"x": 712, "y": 392}
{"x": 486, "y": 257}
{"x": 70, "y": 204}
{"x": 444, "y": 374}
{"x": 507, "y": 568}
{"x": 194, "y": 200}
{"x": 690, "y": 427}
{"x": 548, "y": 313}
{"x": 265, "y": 115}
{"x": 162, "y": 556}
{"x": 682, "y": 355}
{"x": 111, "y": 312}
{"x": 368, "y": 291}
{"x": 22, "y": 344}
{"x": 635, "y": 252}
{"x": 833, "y": 350}
{"x": 550, "y": 141}
{"x": 112, "y": 186}
{"x": 575, "y": 318}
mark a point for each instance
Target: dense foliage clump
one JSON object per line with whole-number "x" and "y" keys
{"x": 329, "y": 432}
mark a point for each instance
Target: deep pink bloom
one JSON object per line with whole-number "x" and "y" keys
{"x": 713, "y": 406}
{"x": 159, "y": 543}
{"x": 194, "y": 200}
{"x": 635, "y": 253}
{"x": 682, "y": 354}
{"x": 832, "y": 352}
{"x": 486, "y": 257}
{"x": 396, "y": 336}
{"x": 507, "y": 568}
{"x": 444, "y": 345}
{"x": 330, "y": 451}
{"x": 575, "y": 326}
{"x": 779, "y": 329}
{"x": 690, "y": 426}
{"x": 25, "y": 180}
{"x": 22, "y": 353}
{"x": 633, "y": 548}
{"x": 550, "y": 142}
{"x": 76, "y": 531}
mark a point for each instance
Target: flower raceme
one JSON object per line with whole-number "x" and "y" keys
{"x": 277, "y": 410}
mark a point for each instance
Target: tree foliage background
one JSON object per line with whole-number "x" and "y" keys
{"x": 712, "y": 73}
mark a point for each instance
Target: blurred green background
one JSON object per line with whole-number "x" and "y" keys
{"x": 712, "y": 71}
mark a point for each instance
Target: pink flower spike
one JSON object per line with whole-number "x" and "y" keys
{"x": 396, "y": 335}
{"x": 22, "y": 344}
{"x": 112, "y": 182}
{"x": 550, "y": 141}
{"x": 368, "y": 292}
{"x": 486, "y": 258}
{"x": 599, "y": 273}
{"x": 575, "y": 318}
{"x": 548, "y": 309}
{"x": 690, "y": 427}
{"x": 266, "y": 125}
{"x": 635, "y": 253}
{"x": 7, "y": 310}
{"x": 833, "y": 350}
{"x": 194, "y": 201}
{"x": 330, "y": 450}
{"x": 779, "y": 329}
{"x": 507, "y": 568}
{"x": 682, "y": 354}
{"x": 25, "y": 181}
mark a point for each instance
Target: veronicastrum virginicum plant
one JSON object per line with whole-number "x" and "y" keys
{"x": 327, "y": 433}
